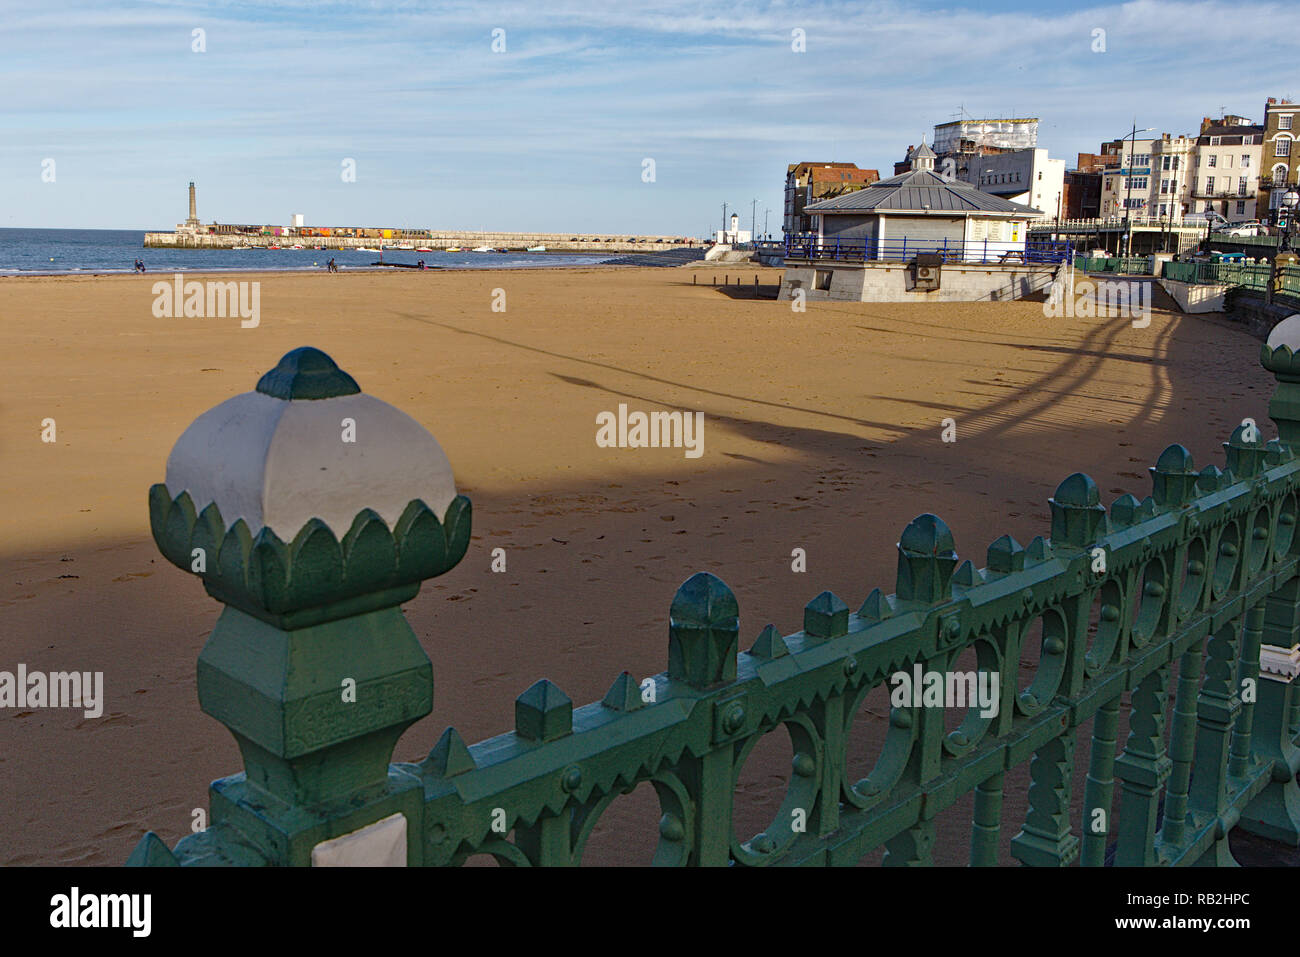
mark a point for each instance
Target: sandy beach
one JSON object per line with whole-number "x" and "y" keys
{"x": 822, "y": 431}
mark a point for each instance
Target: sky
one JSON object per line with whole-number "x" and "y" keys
{"x": 110, "y": 108}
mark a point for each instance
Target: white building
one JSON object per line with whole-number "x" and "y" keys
{"x": 735, "y": 235}
{"x": 922, "y": 211}
{"x": 1229, "y": 151}
{"x": 1173, "y": 162}
{"x": 1128, "y": 184}
{"x": 1028, "y": 177}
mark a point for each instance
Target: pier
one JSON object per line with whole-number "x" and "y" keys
{"x": 440, "y": 240}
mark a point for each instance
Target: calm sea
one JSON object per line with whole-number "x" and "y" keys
{"x": 32, "y": 252}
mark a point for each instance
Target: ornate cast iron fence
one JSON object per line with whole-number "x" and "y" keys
{"x": 1203, "y": 572}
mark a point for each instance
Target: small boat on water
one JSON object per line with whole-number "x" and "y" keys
{"x": 407, "y": 247}
{"x": 366, "y": 249}
{"x": 423, "y": 249}
{"x": 297, "y": 246}
{"x": 454, "y": 249}
{"x": 536, "y": 249}
{"x": 241, "y": 247}
{"x": 272, "y": 247}
{"x": 484, "y": 249}
{"x": 502, "y": 249}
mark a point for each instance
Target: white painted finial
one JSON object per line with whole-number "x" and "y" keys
{"x": 1286, "y": 333}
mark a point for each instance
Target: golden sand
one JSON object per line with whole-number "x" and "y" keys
{"x": 822, "y": 432}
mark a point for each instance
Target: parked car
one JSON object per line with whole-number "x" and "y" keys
{"x": 1248, "y": 228}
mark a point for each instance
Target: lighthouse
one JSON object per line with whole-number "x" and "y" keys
{"x": 193, "y": 221}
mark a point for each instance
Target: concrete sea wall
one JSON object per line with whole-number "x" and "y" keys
{"x": 893, "y": 282}
{"x": 554, "y": 242}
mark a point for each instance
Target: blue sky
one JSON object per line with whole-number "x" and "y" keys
{"x": 552, "y": 133}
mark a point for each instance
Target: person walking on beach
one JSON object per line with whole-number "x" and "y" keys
{"x": 332, "y": 267}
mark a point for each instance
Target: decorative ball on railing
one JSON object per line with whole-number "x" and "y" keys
{"x": 306, "y": 499}
{"x": 1280, "y": 353}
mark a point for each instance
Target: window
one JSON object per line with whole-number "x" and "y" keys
{"x": 1282, "y": 147}
{"x": 1241, "y": 207}
{"x": 1215, "y": 141}
{"x": 1245, "y": 160}
{"x": 1164, "y": 186}
{"x": 1164, "y": 163}
{"x": 1241, "y": 186}
{"x": 1164, "y": 209}
{"x": 1214, "y": 161}
{"x": 1284, "y": 122}
{"x": 822, "y": 279}
{"x": 1279, "y": 174}
{"x": 1175, "y": 162}
{"x": 1209, "y": 185}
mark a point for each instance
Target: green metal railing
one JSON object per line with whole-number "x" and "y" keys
{"x": 1249, "y": 276}
{"x": 1198, "y": 576}
{"x": 1132, "y": 265}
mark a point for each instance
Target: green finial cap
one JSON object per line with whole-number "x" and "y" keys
{"x": 307, "y": 373}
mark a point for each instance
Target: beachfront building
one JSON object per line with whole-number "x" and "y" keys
{"x": 1126, "y": 182}
{"x": 1081, "y": 193}
{"x": 926, "y": 209}
{"x": 1173, "y": 161}
{"x": 1280, "y": 159}
{"x": 1027, "y": 176}
{"x": 734, "y": 235}
{"x": 918, "y": 236}
{"x": 980, "y": 137}
{"x": 1228, "y": 155}
{"x": 809, "y": 182}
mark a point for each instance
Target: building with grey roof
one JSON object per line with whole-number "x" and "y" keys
{"x": 927, "y": 210}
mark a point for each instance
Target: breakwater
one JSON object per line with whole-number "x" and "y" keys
{"x": 443, "y": 240}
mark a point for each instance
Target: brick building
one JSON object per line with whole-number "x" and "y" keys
{"x": 807, "y": 183}
{"x": 1280, "y": 160}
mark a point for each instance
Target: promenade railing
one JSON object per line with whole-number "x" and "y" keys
{"x": 1254, "y": 276}
{"x": 1125, "y": 265}
{"x": 905, "y": 249}
{"x": 316, "y": 673}
{"x": 1104, "y": 223}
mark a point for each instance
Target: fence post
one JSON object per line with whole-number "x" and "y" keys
{"x": 312, "y": 511}
{"x": 1275, "y": 812}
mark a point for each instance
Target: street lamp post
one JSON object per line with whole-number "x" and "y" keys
{"x": 1128, "y": 199}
